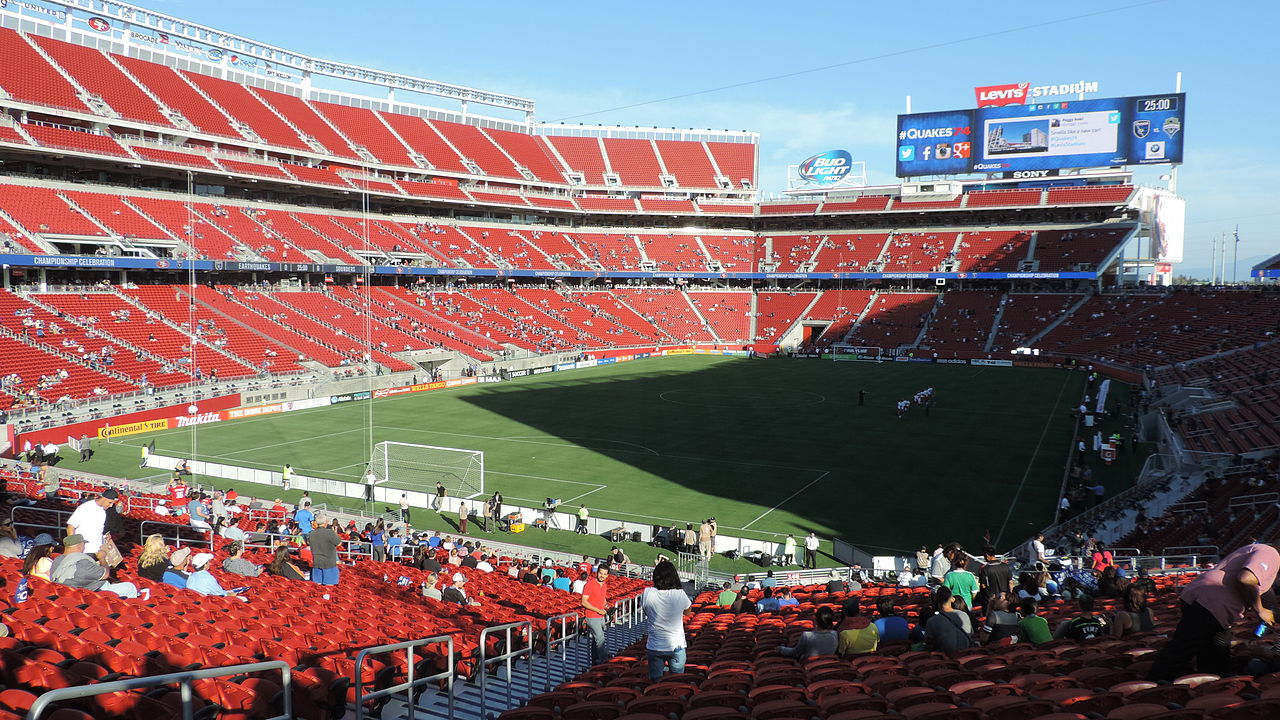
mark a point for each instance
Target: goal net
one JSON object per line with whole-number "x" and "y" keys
{"x": 410, "y": 466}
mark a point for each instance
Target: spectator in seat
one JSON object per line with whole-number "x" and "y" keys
{"x": 427, "y": 559}
{"x": 10, "y": 545}
{"x": 743, "y": 603}
{"x": 857, "y": 634}
{"x": 1102, "y": 558}
{"x": 821, "y": 640}
{"x": 430, "y": 587}
{"x": 892, "y": 627}
{"x": 1000, "y": 623}
{"x": 39, "y": 557}
{"x": 835, "y": 583}
{"x": 1032, "y": 627}
{"x": 1085, "y": 626}
{"x": 237, "y": 565}
{"x": 767, "y": 603}
{"x": 202, "y": 581}
{"x": 562, "y": 581}
{"x": 282, "y": 566}
{"x": 457, "y": 592}
{"x": 1134, "y": 616}
{"x": 1211, "y": 604}
{"x": 785, "y": 598}
{"x": 153, "y": 561}
{"x": 665, "y": 605}
{"x": 179, "y": 569}
{"x": 76, "y": 568}
{"x": 529, "y": 575}
{"x": 768, "y": 581}
{"x": 727, "y": 595}
{"x": 949, "y": 630}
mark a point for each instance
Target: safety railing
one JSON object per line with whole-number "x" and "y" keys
{"x": 411, "y": 684}
{"x": 510, "y": 652}
{"x": 59, "y": 518}
{"x": 569, "y": 633}
{"x": 1190, "y": 555}
{"x": 1193, "y": 506}
{"x": 202, "y": 538}
{"x": 184, "y": 681}
{"x": 1249, "y": 501}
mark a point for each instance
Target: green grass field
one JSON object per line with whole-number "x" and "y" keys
{"x": 765, "y": 446}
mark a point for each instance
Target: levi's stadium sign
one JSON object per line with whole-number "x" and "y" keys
{"x": 826, "y": 168}
{"x": 1021, "y": 93}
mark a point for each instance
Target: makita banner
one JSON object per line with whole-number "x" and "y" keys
{"x": 1001, "y": 95}
{"x": 130, "y": 423}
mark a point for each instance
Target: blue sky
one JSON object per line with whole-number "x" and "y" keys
{"x": 579, "y": 58}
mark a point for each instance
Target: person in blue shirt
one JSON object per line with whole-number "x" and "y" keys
{"x": 304, "y": 517}
{"x": 197, "y": 513}
{"x": 562, "y": 581}
{"x": 893, "y": 628}
{"x": 378, "y": 539}
{"x": 395, "y": 545}
{"x": 434, "y": 541}
{"x": 768, "y": 603}
{"x": 769, "y": 580}
{"x": 177, "y": 573}
{"x": 201, "y": 580}
{"x": 785, "y": 598}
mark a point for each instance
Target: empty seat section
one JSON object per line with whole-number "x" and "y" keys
{"x": 301, "y": 230}
{"x": 41, "y": 372}
{"x": 608, "y": 204}
{"x": 173, "y": 157}
{"x": 870, "y": 203}
{"x": 725, "y": 209}
{"x": 735, "y": 254}
{"x": 962, "y": 322}
{"x": 213, "y": 327}
{"x": 356, "y": 232}
{"x": 27, "y": 77}
{"x": 689, "y": 162}
{"x": 243, "y": 229}
{"x": 457, "y": 308}
{"x": 917, "y": 252}
{"x": 674, "y": 252}
{"x": 248, "y": 109}
{"x": 893, "y": 320}
{"x": 40, "y": 210}
{"x": 412, "y": 307}
{"x": 477, "y": 147}
{"x": 669, "y": 310}
{"x": 362, "y": 127}
{"x": 1067, "y": 249}
{"x": 347, "y": 347}
{"x": 10, "y": 134}
{"x": 166, "y": 84}
{"x": 404, "y": 320}
{"x": 558, "y": 246}
{"x": 848, "y": 253}
{"x": 612, "y": 252}
{"x": 1108, "y": 195}
{"x": 70, "y": 333}
{"x": 839, "y": 308}
{"x": 536, "y": 320}
{"x": 497, "y": 198}
{"x": 1026, "y": 314}
{"x": 588, "y": 321}
{"x": 146, "y": 331}
{"x": 357, "y": 330}
{"x": 112, "y": 211}
{"x": 456, "y": 246}
{"x": 555, "y": 203}
{"x": 905, "y": 204}
{"x": 253, "y": 168}
{"x": 793, "y": 253}
{"x": 1002, "y": 198}
{"x": 728, "y": 312}
{"x": 664, "y": 205}
{"x": 530, "y": 152}
{"x": 369, "y": 184}
{"x": 789, "y": 209}
{"x": 99, "y": 76}
{"x": 634, "y": 161}
{"x": 613, "y": 308}
{"x": 737, "y": 161}
{"x": 225, "y": 300}
{"x": 424, "y": 140}
{"x": 184, "y": 223}
{"x": 992, "y": 251}
{"x": 444, "y": 189}
{"x": 309, "y": 123}
{"x": 1103, "y": 321}
{"x": 777, "y": 312}
{"x": 513, "y": 247}
{"x": 67, "y": 138}
{"x": 583, "y": 155}
{"x": 14, "y": 240}
{"x": 318, "y": 175}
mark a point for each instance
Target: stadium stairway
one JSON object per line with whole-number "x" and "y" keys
{"x": 995, "y": 323}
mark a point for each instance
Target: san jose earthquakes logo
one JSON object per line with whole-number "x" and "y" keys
{"x": 826, "y": 168}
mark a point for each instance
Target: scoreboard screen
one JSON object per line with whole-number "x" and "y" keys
{"x": 1145, "y": 130}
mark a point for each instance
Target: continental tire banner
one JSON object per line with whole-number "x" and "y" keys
{"x": 133, "y": 428}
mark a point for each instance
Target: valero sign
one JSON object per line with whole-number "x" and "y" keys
{"x": 826, "y": 168}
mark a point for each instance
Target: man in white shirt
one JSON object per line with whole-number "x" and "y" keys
{"x": 484, "y": 565}
{"x": 369, "y": 481}
{"x": 811, "y": 551}
{"x": 89, "y": 520}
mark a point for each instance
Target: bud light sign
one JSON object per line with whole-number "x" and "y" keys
{"x": 826, "y": 168}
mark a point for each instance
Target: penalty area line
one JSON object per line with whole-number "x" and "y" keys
{"x": 786, "y": 500}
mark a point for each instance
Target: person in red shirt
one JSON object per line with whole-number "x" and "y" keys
{"x": 177, "y": 492}
{"x": 594, "y": 607}
{"x": 1211, "y": 605}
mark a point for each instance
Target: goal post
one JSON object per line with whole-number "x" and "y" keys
{"x": 409, "y": 466}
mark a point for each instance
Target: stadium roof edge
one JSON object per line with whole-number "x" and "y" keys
{"x": 156, "y": 21}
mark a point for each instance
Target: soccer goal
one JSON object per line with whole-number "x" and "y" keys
{"x": 410, "y": 466}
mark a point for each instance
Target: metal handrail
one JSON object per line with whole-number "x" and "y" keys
{"x": 567, "y": 621}
{"x": 177, "y": 538}
{"x": 184, "y": 680}
{"x": 505, "y": 657}
{"x": 411, "y": 683}
{"x": 1252, "y": 500}
{"x": 27, "y": 508}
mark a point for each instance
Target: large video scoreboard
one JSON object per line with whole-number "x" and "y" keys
{"x": 1145, "y": 130}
